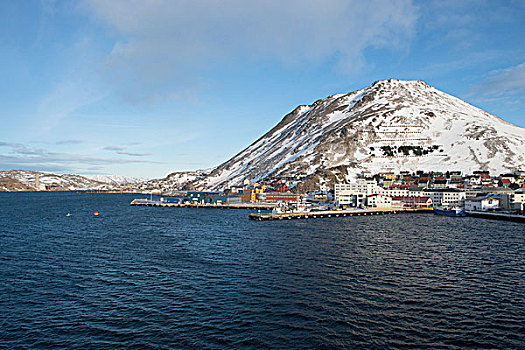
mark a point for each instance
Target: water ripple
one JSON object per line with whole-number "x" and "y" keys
{"x": 188, "y": 278}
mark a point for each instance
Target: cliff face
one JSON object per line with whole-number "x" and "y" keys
{"x": 391, "y": 125}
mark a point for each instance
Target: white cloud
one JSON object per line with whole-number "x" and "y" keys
{"x": 505, "y": 85}
{"x": 21, "y": 156}
{"x": 164, "y": 45}
{"x": 123, "y": 150}
{"x": 67, "y": 97}
{"x": 74, "y": 87}
{"x": 507, "y": 81}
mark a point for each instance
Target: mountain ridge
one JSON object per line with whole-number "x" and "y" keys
{"x": 425, "y": 128}
{"x": 26, "y": 180}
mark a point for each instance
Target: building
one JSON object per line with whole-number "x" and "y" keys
{"x": 388, "y": 176}
{"x": 233, "y": 200}
{"x": 278, "y": 197}
{"x": 504, "y": 183}
{"x": 473, "y": 180}
{"x": 484, "y": 203}
{"x": 445, "y": 196}
{"x": 394, "y": 191}
{"x": 200, "y": 197}
{"x": 245, "y": 196}
{"x": 472, "y": 193}
{"x": 354, "y": 194}
{"x": 219, "y": 200}
{"x": 513, "y": 201}
{"x": 236, "y": 189}
{"x": 379, "y": 201}
{"x": 412, "y": 201}
{"x": 320, "y": 197}
{"x": 440, "y": 183}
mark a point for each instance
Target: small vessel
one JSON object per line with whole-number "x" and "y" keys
{"x": 277, "y": 210}
{"x": 450, "y": 211}
{"x": 68, "y": 214}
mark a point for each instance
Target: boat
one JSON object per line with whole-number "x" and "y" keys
{"x": 277, "y": 210}
{"x": 450, "y": 211}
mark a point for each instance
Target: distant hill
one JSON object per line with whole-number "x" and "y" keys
{"x": 115, "y": 179}
{"x": 24, "y": 180}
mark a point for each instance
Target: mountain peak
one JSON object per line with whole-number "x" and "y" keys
{"x": 391, "y": 125}
{"x": 392, "y": 82}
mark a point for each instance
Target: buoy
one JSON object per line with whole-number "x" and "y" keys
{"x": 68, "y": 214}
{"x": 96, "y": 213}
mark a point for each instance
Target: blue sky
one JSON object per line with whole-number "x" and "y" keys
{"x": 145, "y": 88}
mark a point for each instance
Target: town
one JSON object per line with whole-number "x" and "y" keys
{"x": 477, "y": 192}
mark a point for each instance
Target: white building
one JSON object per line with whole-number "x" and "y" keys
{"x": 482, "y": 203}
{"x": 394, "y": 192}
{"x": 354, "y": 194}
{"x": 445, "y": 196}
{"x": 379, "y": 201}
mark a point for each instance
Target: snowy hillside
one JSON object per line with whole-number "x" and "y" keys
{"x": 116, "y": 179}
{"x": 23, "y": 180}
{"x": 391, "y": 125}
{"x": 181, "y": 180}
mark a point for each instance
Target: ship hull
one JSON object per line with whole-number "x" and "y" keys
{"x": 450, "y": 212}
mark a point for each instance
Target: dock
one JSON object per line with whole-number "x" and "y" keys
{"x": 108, "y": 192}
{"x": 496, "y": 216}
{"x": 335, "y": 213}
{"x": 251, "y": 206}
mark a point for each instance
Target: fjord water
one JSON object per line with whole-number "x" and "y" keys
{"x": 209, "y": 278}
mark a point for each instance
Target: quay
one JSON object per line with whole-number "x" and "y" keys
{"x": 496, "y": 216}
{"x": 108, "y": 192}
{"x": 252, "y": 206}
{"x": 335, "y": 213}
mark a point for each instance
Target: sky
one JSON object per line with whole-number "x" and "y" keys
{"x": 146, "y": 88}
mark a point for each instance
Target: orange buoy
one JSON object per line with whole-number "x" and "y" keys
{"x": 96, "y": 213}
{"x": 68, "y": 214}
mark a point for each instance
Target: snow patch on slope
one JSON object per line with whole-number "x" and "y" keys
{"x": 351, "y": 130}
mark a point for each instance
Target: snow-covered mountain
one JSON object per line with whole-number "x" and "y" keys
{"x": 24, "y": 180}
{"x": 392, "y": 125}
{"x": 180, "y": 180}
{"x": 116, "y": 179}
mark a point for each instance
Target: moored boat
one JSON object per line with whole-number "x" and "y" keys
{"x": 452, "y": 211}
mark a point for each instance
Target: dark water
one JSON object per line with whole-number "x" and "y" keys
{"x": 193, "y": 278}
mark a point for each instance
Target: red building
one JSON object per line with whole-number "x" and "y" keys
{"x": 278, "y": 197}
{"x": 412, "y": 201}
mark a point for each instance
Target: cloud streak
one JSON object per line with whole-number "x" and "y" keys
{"x": 60, "y": 103}
{"x": 114, "y": 148}
{"x": 68, "y": 142}
{"x": 22, "y": 156}
{"x": 123, "y": 150}
{"x": 507, "y": 81}
{"x": 504, "y": 85}
{"x": 134, "y": 154}
{"x": 162, "y": 46}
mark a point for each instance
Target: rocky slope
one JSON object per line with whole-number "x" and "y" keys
{"x": 116, "y": 180}
{"x": 24, "y": 180}
{"x": 391, "y": 125}
{"x": 181, "y": 180}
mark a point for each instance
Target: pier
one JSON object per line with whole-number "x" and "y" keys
{"x": 335, "y": 213}
{"x": 251, "y": 206}
{"x": 496, "y": 216}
